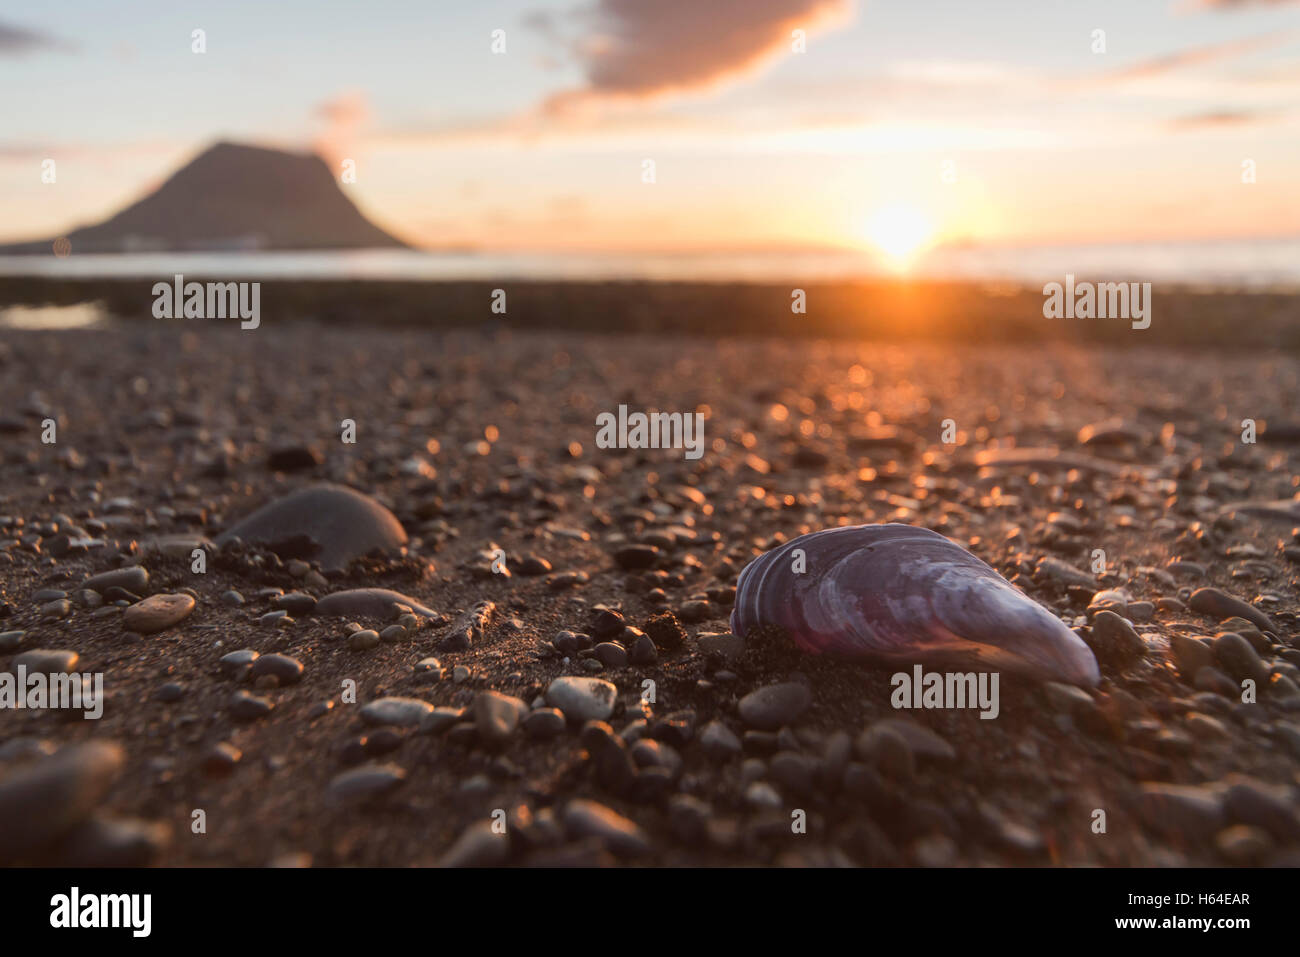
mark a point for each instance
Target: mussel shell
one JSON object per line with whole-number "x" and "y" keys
{"x": 903, "y": 595}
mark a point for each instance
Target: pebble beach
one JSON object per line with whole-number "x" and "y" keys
{"x": 549, "y": 676}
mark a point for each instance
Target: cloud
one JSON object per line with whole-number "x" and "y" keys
{"x": 16, "y": 41}
{"x": 345, "y": 115}
{"x": 1221, "y": 119}
{"x": 632, "y": 49}
{"x": 1198, "y": 56}
{"x": 1239, "y": 4}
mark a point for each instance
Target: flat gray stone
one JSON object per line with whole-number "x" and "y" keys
{"x": 773, "y": 706}
{"x": 46, "y": 661}
{"x": 369, "y": 603}
{"x": 134, "y": 579}
{"x": 582, "y": 699}
{"x": 365, "y": 783}
{"x": 331, "y": 524}
{"x": 399, "y": 712}
{"x": 41, "y": 802}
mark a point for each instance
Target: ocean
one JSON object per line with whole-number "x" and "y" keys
{"x": 1246, "y": 264}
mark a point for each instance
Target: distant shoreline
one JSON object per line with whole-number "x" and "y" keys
{"x": 888, "y": 310}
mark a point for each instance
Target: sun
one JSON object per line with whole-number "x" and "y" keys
{"x": 899, "y": 231}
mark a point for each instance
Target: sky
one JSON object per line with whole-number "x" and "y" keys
{"x": 900, "y": 123}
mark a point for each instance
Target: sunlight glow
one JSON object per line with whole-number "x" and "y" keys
{"x": 899, "y": 231}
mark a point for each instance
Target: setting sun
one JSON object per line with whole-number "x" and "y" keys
{"x": 898, "y": 230}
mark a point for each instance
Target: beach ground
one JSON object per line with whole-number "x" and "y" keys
{"x": 482, "y": 441}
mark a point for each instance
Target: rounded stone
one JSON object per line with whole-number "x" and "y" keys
{"x": 400, "y": 712}
{"x": 327, "y": 523}
{"x": 370, "y": 603}
{"x": 284, "y": 668}
{"x": 134, "y": 578}
{"x": 157, "y": 613}
{"x": 582, "y": 699}
{"x": 42, "y": 801}
{"x": 771, "y": 707}
{"x": 46, "y": 662}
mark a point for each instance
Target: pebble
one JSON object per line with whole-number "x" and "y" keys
{"x": 1190, "y": 655}
{"x": 1109, "y": 600}
{"x": 1219, "y": 604}
{"x": 1056, "y": 570}
{"x": 1181, "y": 810}
{"x": 533, "y": 565}
{"x": 245, "y": 706}
{"x": 295, "y": 603}
{"x": 889, "y": 753}
{"x": 723, "y": 644}
{"x": 56, "y": 609}
{"x": 922, "y": 741}
{"x": 935, "y": 850}
{"x": 607, "y": 623}
{"x": 221, "y": 758}
{"x": 1114, "y": 641}
{"x": 634, "y": 557}
{"x": 1238, "y": 658}
{"x": 582, "y": 699}
{"x": 10, "y": 640}
{"x": 133, "y": 578}
{"x": 285, "y": 669}
{"x": 440, "y": 719}
{"x": 46, "y": 662}
{"x": 363, "y": 640}
{"x": 400, "y": 712}
{"x": 481, "y": 845}
{"x": 42, "y": 801}
{"x": 583, "y": 818}
{"x": 365, "y": 783}
{"x": 676, "y": 728}
{"x": 157, "y": 613}
{"x": 1215, "y": 681}
{"x": 429, "y": 667}
{"x": 1247, "y": 801}
{"x": 644, "y": 651}
{"x": 544, "y": 723}
{"x": 1243, "y": 844}
{"x": 496, "y": 715}
{"x": 114, "y": 842}
{"x": 1141, "y": 610}
{"x": 695, "y": 611}
{"x": 1204, "y": 727}
{"x": 762, "y": 795}
{"x": 342, "y": 523}
{"x": 611, "y": 655}
{"x": 794, "y": 772}
{"x": 236, "y": 664}
{"x": 770, "y": 707}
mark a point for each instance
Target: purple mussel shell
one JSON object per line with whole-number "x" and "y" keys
{"x": 901, "y": 595}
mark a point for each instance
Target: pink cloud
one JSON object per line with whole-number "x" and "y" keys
{"x": 631, "y": 49}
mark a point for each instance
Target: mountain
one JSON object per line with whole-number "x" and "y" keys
{"x": 233, "y": 196}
